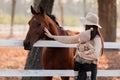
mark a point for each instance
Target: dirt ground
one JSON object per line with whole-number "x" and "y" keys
{"x": 15, "y": 57}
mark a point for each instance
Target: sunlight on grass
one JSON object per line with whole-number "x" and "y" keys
{"x": 18, "y": 19}
{"x": 72, "y": 20}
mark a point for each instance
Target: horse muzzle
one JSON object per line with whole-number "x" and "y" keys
{"x": 27, "y": 45}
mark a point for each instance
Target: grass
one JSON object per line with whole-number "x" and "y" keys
{"x": 4, "y": 18}
{"x": 69, "y": 20}
{"x": 21, "y": 19}
{"x": 72, "y": 20}
{"x": 18, "y": 19}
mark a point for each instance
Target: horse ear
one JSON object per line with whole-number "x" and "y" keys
{"x": 41, "y": 10}
{"x": 32, "y": 10}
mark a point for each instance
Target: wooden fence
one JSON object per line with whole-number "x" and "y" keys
{"x": 40, "y": 73}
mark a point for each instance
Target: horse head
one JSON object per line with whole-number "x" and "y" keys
{"x": 37, "y": 23}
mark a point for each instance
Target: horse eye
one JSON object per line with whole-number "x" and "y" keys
{"x": 39, "y": 24}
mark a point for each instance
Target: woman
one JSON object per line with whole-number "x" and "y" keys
{"x": 91, "y": 21}
{"x": 89, "y": 66}
{"x": 97, "y": 42}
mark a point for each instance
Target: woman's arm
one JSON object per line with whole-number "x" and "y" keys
{"x": 67, "y": 39}
{"x": 84, "y": 36}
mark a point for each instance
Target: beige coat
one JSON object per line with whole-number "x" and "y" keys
{"x": 84, "y": 37}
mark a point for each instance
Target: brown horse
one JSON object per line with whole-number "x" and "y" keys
{"x": 52, "y": 58}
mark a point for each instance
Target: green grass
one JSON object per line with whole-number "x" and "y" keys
{"x": 18, "y": 19}
{"x": 69, "y": 20}
{"x": 4, "y": 18}
{"x": 21, "y": 19}
{"x": 72, "y": 20}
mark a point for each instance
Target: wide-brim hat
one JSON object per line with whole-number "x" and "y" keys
{"x": 90, "y": 19}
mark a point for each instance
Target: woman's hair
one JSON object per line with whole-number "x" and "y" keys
{"x": 95, "y": 32}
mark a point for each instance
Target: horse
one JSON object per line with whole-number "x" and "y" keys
{"x": 52, "y": 58}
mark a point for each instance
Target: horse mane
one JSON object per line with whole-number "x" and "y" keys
{"x": 68, "y": 32}
{"x": 54, "y": 20}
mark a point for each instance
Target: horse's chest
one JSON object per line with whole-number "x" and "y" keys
{"x": 55, "y": 52}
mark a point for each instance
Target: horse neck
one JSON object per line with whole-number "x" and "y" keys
{"x": 53, "y": 27}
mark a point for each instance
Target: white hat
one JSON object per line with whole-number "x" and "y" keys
{"x": 90, "y": 19}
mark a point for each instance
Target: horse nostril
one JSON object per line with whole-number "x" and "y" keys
{"x": 27, "y": 45}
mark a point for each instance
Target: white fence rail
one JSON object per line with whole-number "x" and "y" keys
{"x": 19, "y": 43}
{"x": 40, "y": 73}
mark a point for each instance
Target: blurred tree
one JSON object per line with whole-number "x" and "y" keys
{"x": 47, "y": 5}
{"x": 84, "y": 6}
{"x": 34, "y": 59}
{"x": 12, "y": 17}
{"x": 61, "y": 11}
{"x": 108, "y": 19}
{"x": 36, "y": 3}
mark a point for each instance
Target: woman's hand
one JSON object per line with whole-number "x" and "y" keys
{"x": 91, "y": 29}
{"x": 47, "y": 33}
